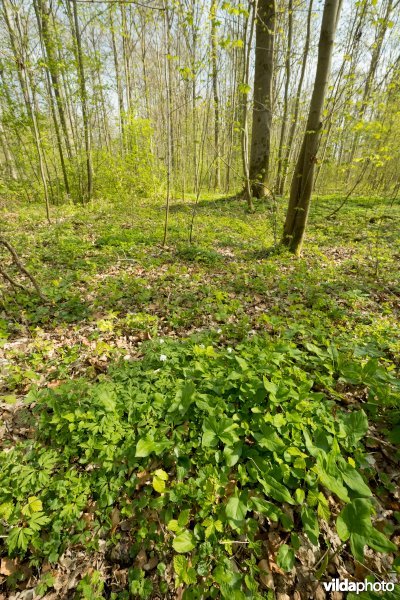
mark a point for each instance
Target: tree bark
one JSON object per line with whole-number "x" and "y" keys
{"x": 262, "y": 108}
{"x": 279, "y": 177}
{"x": 214, "y": 75}
{"x": 302, "y": 182}
{"x": 295, "y": 116}
{"x": 83, "y": 95}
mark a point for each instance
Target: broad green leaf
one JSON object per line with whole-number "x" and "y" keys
{"x": 18, "y": 538}
{"x": 299, "y": 496}
{"x": 355, "y": 425}
{"x": 310, "y": 524}
{"x": 354, "y": 518}
{"x": 285, "y": 557}
{"x": 184, "y": 542}
{"x": 266, "y": 508}
{"x": 161, "y": 474}
{"x": 34, "y": 505}
{"x": 173, "y": 525}
{"x": 185, "y": 573}
{"x": 353, "y": 480}
{"x": 158, "y": 484}
{"x": 184, "y": 398}
{"x": 269, "y": 439}
{"x": 354, "y": 524}
{"x": 275, "y": 489}
{"x": 232, "y": 454}
{"x": 379, "y": 542}
{"x": 236, "y": 509}
{"x": 147, "y": 445}
{"x": 183, "y": 518}
{"x": 331, "y": 480}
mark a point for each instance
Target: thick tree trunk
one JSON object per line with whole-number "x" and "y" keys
{"x": 302, "y": 182}
{"x": 262, "y": 109}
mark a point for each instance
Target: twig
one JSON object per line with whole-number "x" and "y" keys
{"x": 23, "y": 270}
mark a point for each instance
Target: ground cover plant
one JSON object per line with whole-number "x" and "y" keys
{"x": 204, "y": 420}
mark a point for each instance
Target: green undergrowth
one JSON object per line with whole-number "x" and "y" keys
{"x": 197, "y": 448}
{"x": 187, "y": 402}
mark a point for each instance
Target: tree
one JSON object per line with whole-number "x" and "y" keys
{"x": 83, "y": 98}
{"x": 302, "y": 182}
{"x": 214, "y": 73}
{"x": 262, "y": 107}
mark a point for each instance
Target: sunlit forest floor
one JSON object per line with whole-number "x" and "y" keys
{"x": 161, "y": 395}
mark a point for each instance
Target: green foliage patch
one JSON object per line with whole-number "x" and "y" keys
{"x": 199, "y": 447}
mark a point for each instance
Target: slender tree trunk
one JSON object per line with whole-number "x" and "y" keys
{"x": 19, "y": 57}
{"x": 168, "y": 120}
{"x": 214, "y": 75}
{"x": 9, "y": 161}
{"x": 245, "y": 118}
{"x": 118, "y": 81}
{"x": 295, "y": 116}
{"x": 288, "y": 58}
{"x": 83, "y": 94}
{"x": 302, "y": 182}
{"x": 376, "y": 53}
{"x": 43, "y": 17}
{"x": 262, "y": 108}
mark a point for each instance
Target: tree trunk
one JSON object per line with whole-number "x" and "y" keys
{"x": 302, "y": 182}
{"x": 262, "y": 108}
{"x": 83, "y": 94}
{"x": 293, "y": 124}
{"x": 279, "y": 176}
{"x": 214, "y": 75}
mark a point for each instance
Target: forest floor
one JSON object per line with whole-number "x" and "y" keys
{"x": 212, "y": 420}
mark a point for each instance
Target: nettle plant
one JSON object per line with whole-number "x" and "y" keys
{"x": 199, "y": 448}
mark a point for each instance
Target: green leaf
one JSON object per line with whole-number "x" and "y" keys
{"x": 266, "y": 508}
{"x": 353, "y": 480}
{"x": 172, "y": 525}
{"x": 18, "y": 538}
{"x": 331, "y": 479}
{"x": 185, "y": 573}
{"x": 269, "y": 439}
{"x": 183, "y": 518}
{"x": 161, "y": 474}
{"x": 236, "y": 509}
{"x": 158, "y": 484}
{"x": 310, "y": 524}
{"x": 354, "y": 524}
{"x": 184, "y": 542}
{"x": 184, "y": 398}
{"x": 147, "y": 445}
{"x": 299, "y": 496}
{"x": 34, "y": 505}
{"x": 222, "y": 429}
{"x": 379, "y": 542}
{"x": 355, "y": 425}
{"x": 275, "y": 489}
{"x": 285, "y": 557}
{"x": 232, "y": 454}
